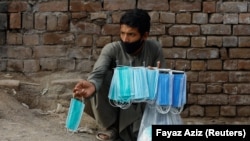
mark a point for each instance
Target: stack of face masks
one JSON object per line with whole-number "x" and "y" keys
{"x": 163, "y": 87}
{"x": 74, "y": 114}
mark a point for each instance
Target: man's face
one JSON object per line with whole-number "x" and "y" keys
{"x": 129, "y": 34}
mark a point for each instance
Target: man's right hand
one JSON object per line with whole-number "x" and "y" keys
{"x": 84, "y": 89}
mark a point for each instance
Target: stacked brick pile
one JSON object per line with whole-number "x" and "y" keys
{"x": 208, "y": 39}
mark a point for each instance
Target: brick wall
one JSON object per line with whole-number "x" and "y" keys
{"x": 208, "y": 39}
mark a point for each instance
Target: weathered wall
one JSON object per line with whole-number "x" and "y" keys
{"x": 208, "y": 39}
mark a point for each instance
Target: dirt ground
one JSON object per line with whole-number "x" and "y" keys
{"x": 24, "y": 118}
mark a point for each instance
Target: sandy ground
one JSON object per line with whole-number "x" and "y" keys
{"x": 19, "y": 122}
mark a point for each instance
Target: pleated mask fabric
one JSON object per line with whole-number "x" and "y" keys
{"x": 140, "y": 84}
{"x": 164, "y": 93}
{"x": 74, "y": 114}
{"x": 152, "y": 80}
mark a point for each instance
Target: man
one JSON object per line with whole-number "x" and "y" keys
{"x": 133, "y": 49}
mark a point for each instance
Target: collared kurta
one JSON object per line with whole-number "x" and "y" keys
{"x": 112, "y": 55}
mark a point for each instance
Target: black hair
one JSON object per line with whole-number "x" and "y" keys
{"x": 137, "y": 18}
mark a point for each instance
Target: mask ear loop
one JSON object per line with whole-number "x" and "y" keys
{"x": 163, "y": 109}
{"x": 176, "y": 110}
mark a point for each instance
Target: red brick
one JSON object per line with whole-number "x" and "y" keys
{"x": 213, "y": 76}
{"x": 228, "y": 111}
{"x": 27, "y": 21}
{"x": 212, "y": 111}
{"x": 66, "y": 64}
{"x": 31, "y": 66}
{"x": 19, "y": 52}
{"x": 243, "y": 111}
{"x": 166, "y": 41}
{"x": 84, "y": 66}
{"x": 244, "y": 65}
{"x": 166, "y": 17}
{"x": 84, "y": 40}
{"x": 214, "y": 88}
{"x": 78, "y": 15}
{"x": 202, "y": 53}
{"x": 239, "y": 77}
{"x": 14, "y": 38}
{"x": 79, "y": 6}
{"x": 48, "y": 64}
{"x": 49, "y": 51}
{"x": 30, "y": 39}
{"x": 157, "y": 30}
{"x": 174, "y": 53}
{"x": 197, "y": 88}
{"x": 241, "y": 30}
{"x": 182, "y": 6}
{"x": 215, "y": 41}
{"x": 51, "y": 22}
{"x": 209, "y": 7}
{"x": 200, "y": 18}
{"x": 155, "y": 5}
{"x": 230, "y": 65}
{"x": 40, "y": 21}
{"x": 184, "y": 30}
{"x": 243, "y": 88}
{"x": 15, "y": 65}
{"x": 198, "y": 41}
{"x": 111, "y": 29}
{"x": 242, "y": 53}
{"x": 244, "y": 18}
{"x": 155, "y": 18}
{"x": 216, "y": 18}
{"x": 230, "y": 41}
{"x": 119, "y": 4}
{"x": 239, "y": 99}
{"x": 182, "y": 65}
{"x": 213, "y": 99}
{"x": 102, "y": 41}
{"x": 53, "y": 6}
{"x": 58, "y": 38}
{"x": 15, "y": 20}
{"x": 231, "y": 19}
{"x": 181, "y": 41}
{"x": 198, "y": 65}
{"x": 184, "y": 18}
{"x": 87, "y": 28}
{"x": 214, "y": 65}
{"x": 196, "y": 110}
{"x": 230, "y": 88}
{"x": 216, "y": 29}
{"x": 231, "y": 7}
{"x": 192, "y": 76}
{"x": 18, "y": 6}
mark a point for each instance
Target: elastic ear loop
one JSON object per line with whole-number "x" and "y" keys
{"x": 177, "y": 110}
{"x": 163, "y": 109}
{"x": 72, "y": 132}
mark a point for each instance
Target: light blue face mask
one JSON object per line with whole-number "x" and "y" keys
{"x": 140, "y": 84}
{"x": 121, "y": 88}
{"x": 74, "y": 114}
{"x": 152, "y": 80}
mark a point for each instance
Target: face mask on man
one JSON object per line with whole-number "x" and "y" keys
{"x": 132, "y": 47}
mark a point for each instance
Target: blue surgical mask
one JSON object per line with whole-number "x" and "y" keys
{"x": 74, "y": 114}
